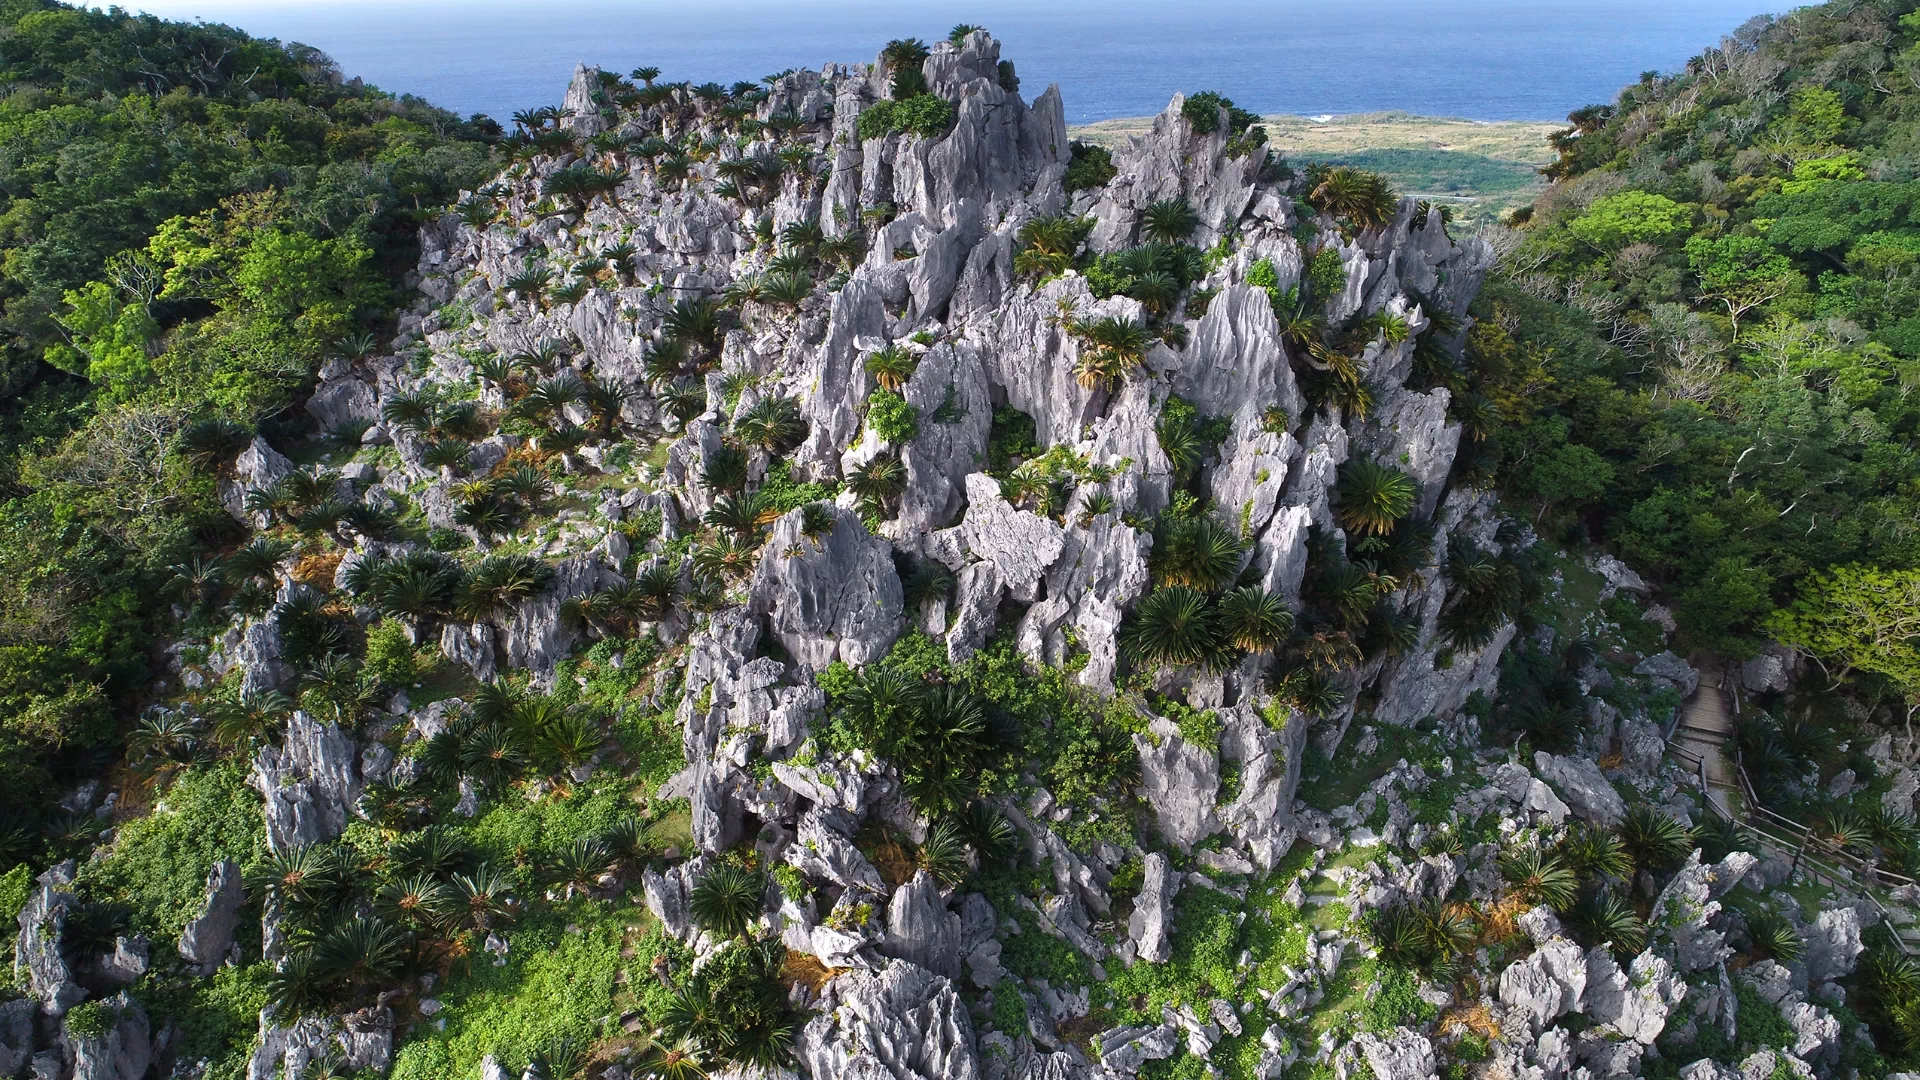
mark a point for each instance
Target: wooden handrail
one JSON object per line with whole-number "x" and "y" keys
{"x": 1812, "y": 852}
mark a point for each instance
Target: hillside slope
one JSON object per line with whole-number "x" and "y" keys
{"x": 833, "y": 577}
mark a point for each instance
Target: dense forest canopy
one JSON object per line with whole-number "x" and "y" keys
{"x": 191, "y": 221}
{"x": 1721, "y": 287}
{"x": 606, "y": 642}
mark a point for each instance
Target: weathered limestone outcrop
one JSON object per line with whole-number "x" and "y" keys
{"x": 900, "y": 1021}
{"x": 1178, "y": 779}
{"x": 123, "y": 1052}
{"x": 209, "y": 934}
{"x": 921, "y": 930}
{"x": 310, "y": 783}
{"x": 1150, "y": 927}
{"x": 37, "y": 953}
{"x": 834, "y": 596}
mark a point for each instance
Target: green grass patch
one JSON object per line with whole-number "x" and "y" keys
{"x": 1428, "y": 172}
{"x": 158, "y": 864}
{"x": 213, "y": 1019}
{"x": 514, "y": 831}
{"x": 557, "y": 983}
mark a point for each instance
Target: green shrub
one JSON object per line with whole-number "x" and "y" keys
{"x": 16, "y": 888}
{"x": 1397, "y": 1001}
{"x": 514, "y": 829}
{"x": 558, "y": 982}
{"x": 1202, "y": 111}
{"x": 1009, "y": 1009}
{"x": 214, "y": 1019}
{"x": 1089, "y": 165}
{"x": 891, "y": 418}
{"x": 158, "y": 864}
{"x": 1011, "y": 436}
{"x": 1325, "y": 275}
{"x": 91, "y": 1020}
{"x": 391, "y": 658}
{"x": 921, "y": 114}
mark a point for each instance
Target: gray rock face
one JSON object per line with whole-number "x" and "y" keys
{"x": 336, "y": 401}
{"x": 49, "y": 980}
{"x": 1170, "y": 160}
{"x": 1100, "y": 570}
{"x": 1412, "y": 433}
{"x": 1547, "y": 984}
{"x": 471, "y": 646}
{"x": 123, "y": 1053}
{"x": 1150, "y": 926}
{"x": 821, "y": 851}
{"x": 835, "y": 374}
{"x": 1399, "y": 1055}
{"x": 1816, "y": 1032}
{"x": 1772, "y": 671}
{"x": 258, "y": 466}
{"x": 977, "y": 604}
{"x": 1235, "y": 365}
{"x": 259, "y": 655}
{"x": 129, "y": 960}
{"x": 949, "y": 387}
{"x": 921, "y": 930}
{"x": 1580, "y": 782}
{"x": 209, "y": 934}
{"x": 1636, "y": 1002}
{"x": 363, "y": 1040}
{"x": 834, "y": 597}
{"x": 1124, "y": 1050}
{"x": 1021, "y": 545}
{"x": 666, "y": 896}
{"x": 535, "y": 636}
{"x": 1261, "y": 813}
{"x": 1680, "y": 916}
{"x": 831, "y": 785}
{"x": 310, "y": 783}
{"x": 1280, "y": 555}
{"x": 16, "y": 1036}
{"x": 1672, "y": 670}
{"x": 901, "y": 1022}
{"x": 1832, "y": 945}
{"x": 1178, "y": 779}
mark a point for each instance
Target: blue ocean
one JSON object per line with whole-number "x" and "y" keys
{"x": 1480, "y": 59}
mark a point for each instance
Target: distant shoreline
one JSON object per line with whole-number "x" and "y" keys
{"x": 1484, "y": 167}
{"x": 1399, "y": 129}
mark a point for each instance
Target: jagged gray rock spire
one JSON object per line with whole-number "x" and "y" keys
{"x": 840, "y": 579}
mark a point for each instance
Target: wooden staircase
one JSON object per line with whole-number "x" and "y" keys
{"x": 1701, "y": 736}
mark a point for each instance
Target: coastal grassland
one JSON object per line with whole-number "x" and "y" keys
{"x": 1483, "y": 168}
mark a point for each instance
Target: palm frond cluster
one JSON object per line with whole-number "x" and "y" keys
{"x": 510, "y": 732}
{"x": 1600, "y": 881}
{"x": 358, "y": 921}
{"x": 1196, "y": 616}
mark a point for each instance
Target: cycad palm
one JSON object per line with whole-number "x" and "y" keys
{"x": 1540, "y": 878}
{"x": 773, "y": 424}
{"x": 1654, "y": 841}
{"x": 1254, "y": 619}
{"x": 727, "y": 899}
{"x": 1169, "y": 221}
{"x": 892, "y": 366}
{"x": 1172, "y": 627}
{"x": 879, "y": 481}
{"x": 1110, "y": 347}
{"x": 1373, "y": 497}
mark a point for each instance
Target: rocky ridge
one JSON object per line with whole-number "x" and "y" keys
{"x": 925, "y": 975}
